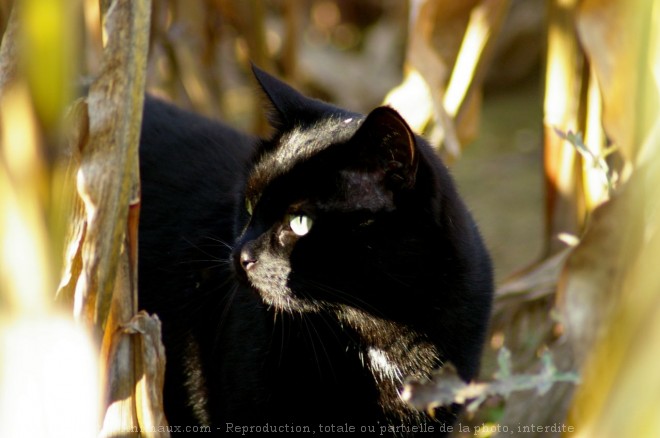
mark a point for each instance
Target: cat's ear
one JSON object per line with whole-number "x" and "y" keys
{"x": 290, "y": 108}
{"x": 391, "y": 142}
{"x": 286, "y": 102}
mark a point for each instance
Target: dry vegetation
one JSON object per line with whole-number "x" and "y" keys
{"x": 68, "y": 179}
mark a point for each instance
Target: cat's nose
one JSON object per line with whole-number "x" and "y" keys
{"x": 247, "y": 258}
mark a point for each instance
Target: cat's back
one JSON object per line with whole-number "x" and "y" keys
{"x": 189, "y": 169}
{"x": 180, "y": 149}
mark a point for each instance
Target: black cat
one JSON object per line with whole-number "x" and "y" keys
{"x": 301, "y": 279}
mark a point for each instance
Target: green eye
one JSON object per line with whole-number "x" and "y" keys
{"x": 248, "y": 206}
{"x": 300, "y": 224}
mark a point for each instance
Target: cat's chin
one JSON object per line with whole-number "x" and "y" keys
{"x": 282, "y": 300}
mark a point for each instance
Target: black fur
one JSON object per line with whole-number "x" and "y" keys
{"x": 263, "y": 325}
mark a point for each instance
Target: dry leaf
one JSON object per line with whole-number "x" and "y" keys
{"x": 447, "y": 387}
{"x": 613, "y": 33}
{"x": 451, "y": 70}
{"x": 135, "y": 379}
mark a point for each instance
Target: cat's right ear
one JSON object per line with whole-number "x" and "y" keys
{"x": 391, "y": 145}
{"x": 284, "y": 99}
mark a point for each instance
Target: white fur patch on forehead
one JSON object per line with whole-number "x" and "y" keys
{"x": 301, "y": 143}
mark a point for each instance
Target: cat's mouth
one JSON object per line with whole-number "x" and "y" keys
{"x": 272, "y": 285}
{"x": 270, "y": 277}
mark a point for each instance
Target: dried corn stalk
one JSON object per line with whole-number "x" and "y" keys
{"x": 101, "y": 275}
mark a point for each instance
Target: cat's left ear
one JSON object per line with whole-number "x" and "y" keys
{"x": 288, "y": 107}
{"x": 392, "y": 143}
{"x": 283, "y": 98}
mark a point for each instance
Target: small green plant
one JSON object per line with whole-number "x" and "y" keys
{"x": 597, "y": 162}
{"x": 446, "y": 387}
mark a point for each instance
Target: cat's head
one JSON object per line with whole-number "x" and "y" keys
{"x": 330, "y": 207}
